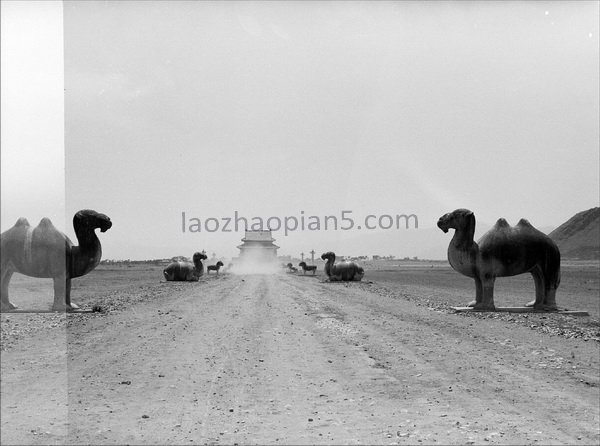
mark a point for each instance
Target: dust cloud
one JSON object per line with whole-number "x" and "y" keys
{"x": 255, "y": 263}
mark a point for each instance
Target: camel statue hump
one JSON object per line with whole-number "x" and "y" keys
{"x": 22, "y": 222}
{"x": 46, "y": 234}
{"x": 45, "y": 223}
{"x": 525, "y": 223}
{"x": 502, "y": 223}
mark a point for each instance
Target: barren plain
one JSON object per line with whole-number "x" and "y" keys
{"x": 291, "y": 359}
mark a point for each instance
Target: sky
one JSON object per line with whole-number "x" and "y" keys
{"x": 173, "y": 117}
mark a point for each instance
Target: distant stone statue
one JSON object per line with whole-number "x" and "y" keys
{"x": 214, "y": 268}
{"x": 184, "y": 271}
{"x": 503, "y": 251}
{"x": 306, "y": 267}
{"x": 343, "y": 271}
{"x": 46, "y": 252}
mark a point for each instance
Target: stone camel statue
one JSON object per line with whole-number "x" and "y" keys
{"x": 344, "y": 271}
{"x": 185, "y": 271}
{"x": 503, "y": 251}
{"x": 46, "y": 252}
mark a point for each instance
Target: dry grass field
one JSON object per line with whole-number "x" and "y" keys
{"x": 579, "y": 288}
{"x": 434, "y": 281}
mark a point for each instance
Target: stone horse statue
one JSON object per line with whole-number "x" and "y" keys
{"x": 503, "y": 251}
{"x": 343, "y": 271}
{"x": 46, "y": 252}
{"x": 182, "y": 271}
{"x": 216, "y": 267}
{"x": 306, "y": 267}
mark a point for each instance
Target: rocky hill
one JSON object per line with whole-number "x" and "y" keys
{"x": 579, "y": 237}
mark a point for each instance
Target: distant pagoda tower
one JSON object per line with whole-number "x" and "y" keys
{"x": 258, "y": 245}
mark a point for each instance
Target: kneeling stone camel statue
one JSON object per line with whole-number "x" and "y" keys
{"x": 503, "y": 251}
{"x": 46, "y": 252}
{"x": 184, "y": 271}
{"x": 343, "y": 271}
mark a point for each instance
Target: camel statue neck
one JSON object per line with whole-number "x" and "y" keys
{"x": 88, "y": 241}
{"x": 330, "y": 261}
{"x": 86, "y": 256}
{"x": 463, "y": 236}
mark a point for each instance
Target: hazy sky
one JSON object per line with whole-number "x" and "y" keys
{"x": 297, "y": 109}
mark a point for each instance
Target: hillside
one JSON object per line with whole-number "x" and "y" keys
{"x": 579, "y": 237}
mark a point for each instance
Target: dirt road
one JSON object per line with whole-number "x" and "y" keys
{"x": 289, "y": 359}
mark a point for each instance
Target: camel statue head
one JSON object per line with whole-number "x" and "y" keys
{"x": 329, "y": 255}
{"x": 89, "y": 219}
{"x": 458, "y": 219}
{"x": 198, "y": 256}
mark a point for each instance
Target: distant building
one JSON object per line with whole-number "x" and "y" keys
{"x": 258, "y": 245}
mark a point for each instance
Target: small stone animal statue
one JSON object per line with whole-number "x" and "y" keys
{"x": 215, "y": 268}
{"x": 186, "y": 271}
{"x": 306, "y": 267}
{"x": 503, "y": 251}
{"x": 343, "y": 271}
{"x": 291, "y": 268}
{"x": 46, "y": 252}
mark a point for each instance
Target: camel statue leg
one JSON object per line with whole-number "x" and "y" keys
{"x": 62, "y": 294}
{"x": 478, "y": 293}
{"x": 59, "y": 292}
{"x": 68, "y": 302}
{"x": 5, "y": 304}
{"x": 545, "y": 291}
{"x": 487, "y": 295}
{"x": 538, "y": 280}
{"x": 552, "y": 281}
{"x": 550, "y": 301}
